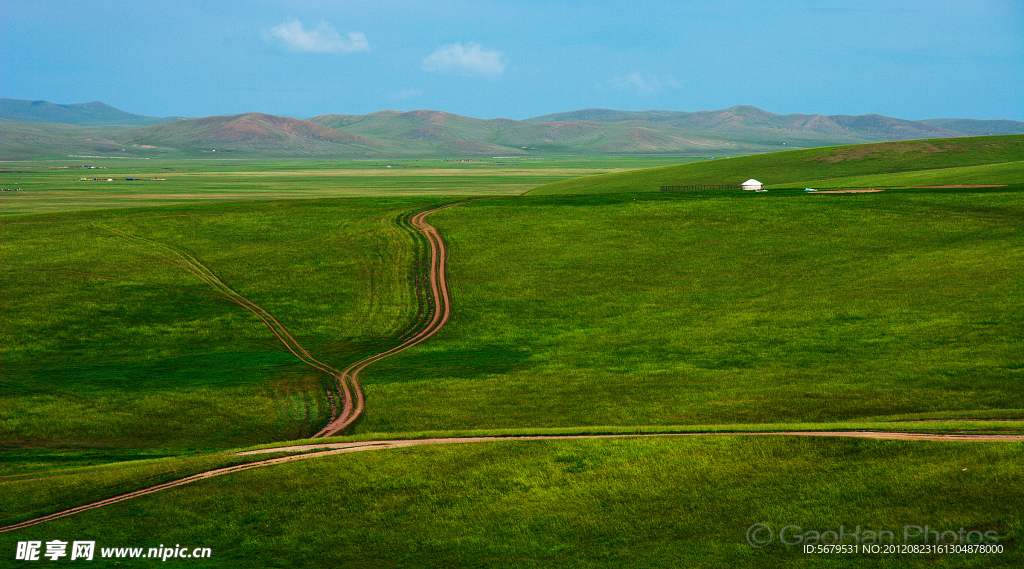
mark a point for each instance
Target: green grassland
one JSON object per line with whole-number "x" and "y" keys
{"x": 613, "y": 311}
{"x": 973, "y": 160}
{"x": 673, "y": 502}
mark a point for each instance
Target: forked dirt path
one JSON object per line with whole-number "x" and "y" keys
{"x": 347, "y": 380}
{"x": 330, "y": 449}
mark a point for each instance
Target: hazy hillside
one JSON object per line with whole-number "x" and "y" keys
{"x": 431, "y": 131}
{"x": 978, "y": 128}
{"x": 250, "y": 133}
{"x": 98, "y": 129}
{"x": 730, "y": 131}
{"x": 747, "y": 121}
{"x": 447, "y": 131}
{"x": 23, "y": 140}
{"x": 82, "y": 114}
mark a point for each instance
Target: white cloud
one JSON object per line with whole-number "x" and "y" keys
{"x": 405, "y": 94}
{"x": 471, "y": 59}
{"x": 644, "y": 85}
{"x": 322, "y": 39}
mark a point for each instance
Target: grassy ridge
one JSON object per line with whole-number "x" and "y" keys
{"x": 689, "y": 309}
{"x": 1003, "y": 173}
{"x": 834, "y": 164}
{"x": 587, "y": 503}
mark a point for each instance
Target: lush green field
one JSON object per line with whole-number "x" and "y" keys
{"x": 974, "y": 160}
{"x": 676, "y": 502}
{"x": 718, "y": 308}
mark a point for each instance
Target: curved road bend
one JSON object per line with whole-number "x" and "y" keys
{"x": 348, "y": 380}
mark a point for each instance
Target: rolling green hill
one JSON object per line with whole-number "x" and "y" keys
{"x": 937, "y": 161}
{"x": 447, "y": 132}
{"x": 747, "y": 121}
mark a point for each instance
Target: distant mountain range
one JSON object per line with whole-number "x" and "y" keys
{"x": 31, "y": 129}
{"x": 82, "y": 114}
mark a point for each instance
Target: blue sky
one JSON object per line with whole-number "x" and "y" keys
{"x": 489, "y": 59}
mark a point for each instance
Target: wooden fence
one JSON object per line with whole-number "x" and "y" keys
{"x": 700, "y": 187}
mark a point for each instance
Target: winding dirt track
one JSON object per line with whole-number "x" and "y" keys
{"x": 348, "y": 380}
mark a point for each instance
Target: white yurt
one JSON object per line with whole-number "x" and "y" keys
{"x": 752, "y": 184}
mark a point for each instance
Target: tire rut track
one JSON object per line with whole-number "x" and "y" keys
{"x": 193, "y": 266}
{"x": 348, "y": 379}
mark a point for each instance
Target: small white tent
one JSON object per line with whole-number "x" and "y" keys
{"x": 752, "y": 184}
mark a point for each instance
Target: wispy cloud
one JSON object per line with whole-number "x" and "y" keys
{"x": 405, "y": 94}
{"x": 469, "y": 59}
{"x": 321, "y": 39}
{"x": 644, "y": 84}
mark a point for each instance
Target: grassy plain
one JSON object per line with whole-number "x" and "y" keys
{"x": 676, "y": 502}
{"x": 51, "y": 186}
